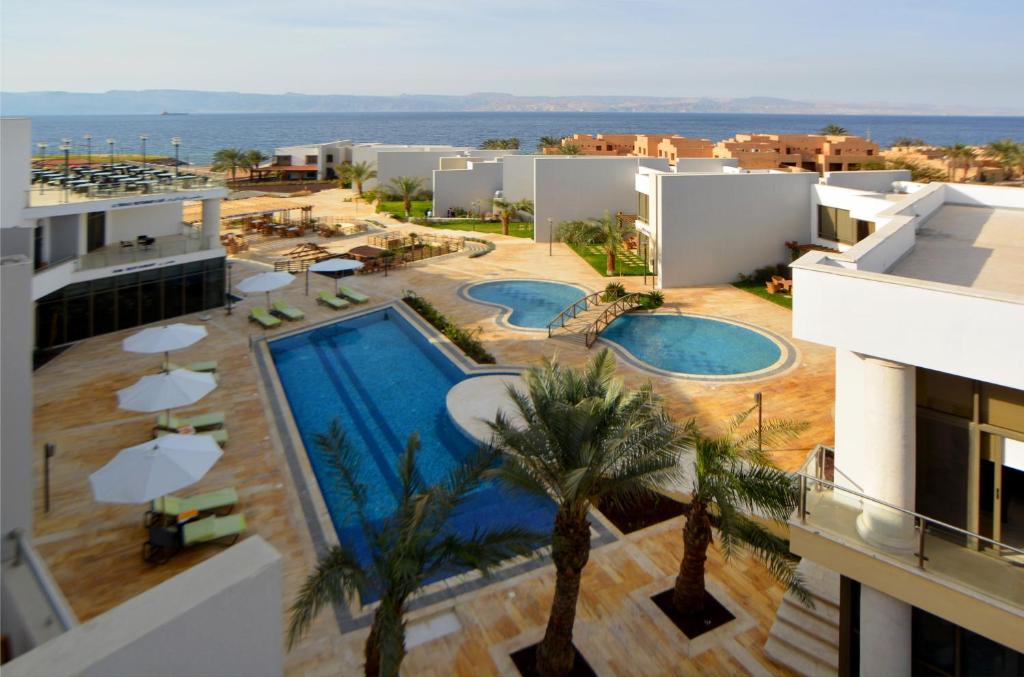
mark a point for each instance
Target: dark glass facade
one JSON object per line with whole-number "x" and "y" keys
{"x": 86, "y": 309}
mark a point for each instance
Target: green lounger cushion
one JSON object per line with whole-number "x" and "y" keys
{"x": 354, "y": 295}
{"x": 212, "y": 528}
{"x": 211, "y": 419}
{"x": 263, "y": 317}
{"x": 219, "y": 436}
{"x": 210, "y": 500}
{"x": 288, "y": 311}
{"x": 208, "y": 366}
{"x": 332, "y": 300}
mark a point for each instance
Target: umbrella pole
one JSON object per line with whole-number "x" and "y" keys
{"x": 268, "y": 300}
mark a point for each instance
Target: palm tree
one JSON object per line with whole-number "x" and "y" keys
{"x": 406, "y": 548}
{"x": 228, "y": 160}
{"x": 511, "y": 143}
{"x": 569, "y": 149}
{"x": 607, "y": 231}
{"x": 253, "y": 159}
{"x": 510, "y": 208}
{"x": 731, "y": 476}
{"x": 834, "y": 130}
{"x": 585, "y": 439}
{"x": 357, "y": 174}
{"x": 407, "y": 187}
{"x": 1007, "y": 152}
{"x": 967, "y": 154}
{"x": 549, "y": 142}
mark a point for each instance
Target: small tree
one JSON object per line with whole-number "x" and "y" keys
{"x": 253, "y": 159}
{"x": 511, "y": 143}
{"x": 1008, "y": 153}
{"x": 229, "y": 160}
{"x": 509, "y": 209}
{"x": 407, "y": 188}
{"x": 834, "y": 130}
{"x": 607, "y": 231}
{"x": 357, "y": 174}
{"x": 569, "y": 149}
{"x": 731, "y": 476}
{"x": 387, "y": 255}
{"x": 549, "y": 142}
{"x": 406, "y": 548}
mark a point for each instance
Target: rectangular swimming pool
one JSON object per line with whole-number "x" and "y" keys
{"x": 383, "y": 380}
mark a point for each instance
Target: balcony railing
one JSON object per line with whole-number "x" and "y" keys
{"x": 134, "y": 251}
{"x": 45, "y": 194}
{"x": 944, "y": 551}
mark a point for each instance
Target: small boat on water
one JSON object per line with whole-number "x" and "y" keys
{"x": 167, "y": 113}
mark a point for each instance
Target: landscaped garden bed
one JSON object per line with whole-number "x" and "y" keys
{"x": 464, "y": 339}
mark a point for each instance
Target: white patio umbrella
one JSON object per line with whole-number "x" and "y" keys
{"x": 265, "y": 282}
{"x": 152, "y": 469}
{"x": 164, "y": 339}
{"x": 165, "y": 391}
{"x": 335, "y": 266}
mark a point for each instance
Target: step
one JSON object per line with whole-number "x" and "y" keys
{"x": 823, "y": 608}
{"x": 821, "y": 582}
{"x": 809, "y": 621}
{"x": 809, "y": 643}
{"x": 793, "y": 658}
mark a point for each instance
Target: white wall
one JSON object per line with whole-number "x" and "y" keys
{"x": 62, "y": 240}
{"x": 702, "y": 164}
{"x": 863, "y": 205}
{"x": 16, "y": 448}
{"x": 153, "y": 220}
{"x": 461, "y": 187}
{"x": 581, "y": 187}
{"x": 713, "y": 227}
{"x": 221, "y": 617}
{"x": 517, "y": 177}
{"x": 878, "y": 181}
{"x": 15, "y": 166}
{"x": 418, "y": 163}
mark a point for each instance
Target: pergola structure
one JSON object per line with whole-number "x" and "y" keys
{"x": 253, "y": 208}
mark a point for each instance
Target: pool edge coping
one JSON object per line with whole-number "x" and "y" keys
{"x": 502, "y": 318}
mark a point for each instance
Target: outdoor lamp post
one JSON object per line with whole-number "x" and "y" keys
{"x": 551, "y": 235}
{"x": 175, "y": 142}
{"x": 110, "y": 144}
{"x": 88, "y": 149}
{"x": 66, "y": 147}
{"x": 142, "y": 138}
{"x": 42, "y": 152}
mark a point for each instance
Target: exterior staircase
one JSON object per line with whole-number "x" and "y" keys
{"x": 807, "y": 640}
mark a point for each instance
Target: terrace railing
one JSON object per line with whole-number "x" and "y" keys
{"x": 574, "y": 309}
{"x": 43, "y": 194}
{"x": 135, "y": 251}
{"x": 943, "y": 550}
{"x": 620, "y": 306}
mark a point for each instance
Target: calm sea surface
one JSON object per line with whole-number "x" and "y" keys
{"x": 201, "y": 135}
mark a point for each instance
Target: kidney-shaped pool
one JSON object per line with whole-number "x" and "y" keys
{"x": 531, "y": 303}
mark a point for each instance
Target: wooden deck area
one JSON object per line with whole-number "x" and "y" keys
{"x": 94, "y": 550}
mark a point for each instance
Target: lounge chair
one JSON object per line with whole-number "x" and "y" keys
{"x": 208, "y": 366}
{"x": 219, "y": 436}
{"x": 287, "y": 311}
{"x": 353, "y": 295}
{"x": 213, "y": 419}
{"x": 165, "y": 542}
{"x": 329, "y": 299}
{"x": 220, "y": 502}
{"x": 266, "y": 320}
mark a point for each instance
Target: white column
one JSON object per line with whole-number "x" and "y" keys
{"x": 885, "y": 635}
{"x": 888, "y": 441}
{"x": 211, "y": 221}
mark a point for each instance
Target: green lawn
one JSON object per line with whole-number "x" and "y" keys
{"x": 758, "y": 289}
{"x": 515, "y": 229}
{"x": 419, "y": 208}
{"x": 627, "y": 262}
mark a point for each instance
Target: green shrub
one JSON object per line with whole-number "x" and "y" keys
{"x": 482, "y": 252}
{"x": 652, "y": 299}
{"x": 762, "y": 275}
{"x": 613, "y": 291}
{"x": 467, "y": 341}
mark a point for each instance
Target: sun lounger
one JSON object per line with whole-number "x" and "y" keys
{"x": 165, "y": 542}
{"x": 329, "y": 299}
{"x": 287, "y": 311}
{"x": 208, "y": 366}
{"x": 213, "y": 419}
{"x": 265, "y": 319}
{"x": 221, "y": 502}
{"x": 353, "y": 295}
{"x": 219, "y": 436}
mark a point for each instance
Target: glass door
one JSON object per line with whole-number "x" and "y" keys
{"x": 1001, "y": 495}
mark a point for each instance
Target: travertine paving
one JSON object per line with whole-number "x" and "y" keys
{"x": 94, "y": 550}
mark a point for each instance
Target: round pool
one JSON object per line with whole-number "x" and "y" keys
{"x": 531, "y": 303}
{"x": 692, "y": 345}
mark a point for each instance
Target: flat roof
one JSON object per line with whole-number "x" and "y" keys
{"x": 977, "y": 247}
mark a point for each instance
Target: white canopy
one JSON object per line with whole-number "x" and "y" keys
{"x": 157, "y": 392}
{"x": 164, "y": 339}
{"x": 335, "y": 265}
{"x": 265, "y": 282}
{"x": 152, "y": 469}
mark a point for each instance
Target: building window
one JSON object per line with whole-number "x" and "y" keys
{"x": 330, "y": 157}
{"x": 96, "y": 230}
{"x": 939, "y": 647}
{"x": 643, "y": 207}
{"x": 311, "y": 159}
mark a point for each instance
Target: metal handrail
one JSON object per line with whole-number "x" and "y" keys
{"x": 574, "y": 308}
{"x": 921, "y": 522}
{"x": 622, "y": 305}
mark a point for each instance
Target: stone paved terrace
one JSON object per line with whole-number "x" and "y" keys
{"x": 94, "y": 550}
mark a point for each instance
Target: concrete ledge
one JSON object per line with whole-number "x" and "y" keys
{"x": 473, "y": 402}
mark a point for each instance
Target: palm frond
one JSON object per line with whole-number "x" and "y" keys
{"x": 338, "y": 577}
{"x": 773, "y": 552}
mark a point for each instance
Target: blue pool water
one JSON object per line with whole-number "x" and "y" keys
{"x": 693, "y": 345}
{"x": 533, "y": 302}
{"x": 383, "y": 381}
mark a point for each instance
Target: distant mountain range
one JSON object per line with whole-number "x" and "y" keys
{"x": 155, "y": 101}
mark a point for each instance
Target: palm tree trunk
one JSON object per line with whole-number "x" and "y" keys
{"x": 385, "y": 645}
{"x": 359, "y": 188}
{"x": 688, "y": 595}
{"x": 610, "y": 263}
{"x": 570, "y": 550}
{"x": 372, "y": 649}
{"x": 504, "y": 223}
{"x": 407, "y": 204}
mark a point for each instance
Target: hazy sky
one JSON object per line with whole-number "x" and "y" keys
{"x": 900, "y": 51}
